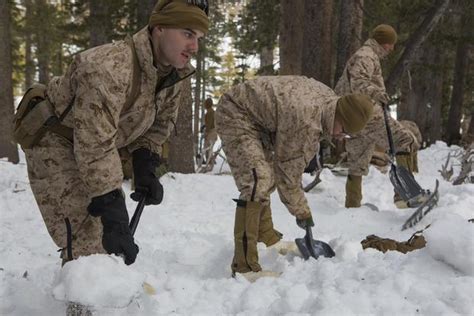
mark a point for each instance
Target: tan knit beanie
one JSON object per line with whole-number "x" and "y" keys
{"x": 354, "y": 111}
{"x": 179, "y": 14}
{"x": 384, "y": 34}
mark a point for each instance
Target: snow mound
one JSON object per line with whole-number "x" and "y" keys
{"x": 98, "y": 280}
{"x": 450, "y": 240}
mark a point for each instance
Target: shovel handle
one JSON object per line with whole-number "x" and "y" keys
{"x": 389, "y": 132}
{"x": 136, "y": 215}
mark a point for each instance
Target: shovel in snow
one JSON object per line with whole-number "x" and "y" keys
{"x": 402, "y": 180}
{"x": 147, "y": 287}
{"x": 313, "y": 248}
{"x": 136, "y": 216}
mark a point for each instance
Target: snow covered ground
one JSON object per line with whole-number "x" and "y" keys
{"x": 186, "y": 247}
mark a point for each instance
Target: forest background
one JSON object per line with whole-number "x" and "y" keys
{"x": 429, "y": 76}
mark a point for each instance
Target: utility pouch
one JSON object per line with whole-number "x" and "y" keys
{"x": 34, "y": 116}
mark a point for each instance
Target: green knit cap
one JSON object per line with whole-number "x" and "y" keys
{"x": 180, "y": 14}
{"x": 384, "y": 34}
{"x": 354, "y": 111}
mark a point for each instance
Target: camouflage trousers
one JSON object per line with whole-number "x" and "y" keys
{"x": 61, "y": 194}
{"x": 249, "y": 159}
{"x": 361, "y": 146}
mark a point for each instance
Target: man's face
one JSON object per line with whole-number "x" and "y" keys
{"x": 388, "y": 47}
{"x": 175, "y": 47}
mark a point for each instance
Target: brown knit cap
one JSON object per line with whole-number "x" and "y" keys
{"x": 178, "y": 14}
{"x": 354, "y": 111}
{"x": 384, "y": 34}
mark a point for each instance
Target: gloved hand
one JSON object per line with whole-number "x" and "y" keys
{"x": 117, "y": 237}
{"x": 303, "y": 223}
{"x": 312, "y": 166}
{"x": 144, "y": 176}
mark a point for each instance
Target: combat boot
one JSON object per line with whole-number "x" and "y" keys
{"x": 266, "y": 233}
{"x": 254, "y": 276}
{"x": 353, "y": 191}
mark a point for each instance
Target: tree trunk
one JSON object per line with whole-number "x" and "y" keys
{"x": 291, "y": 36}
{"x": 43, "y": 52}
{"x": 144, "y": 9}
{"x": 181, "y": 156}
{"x": 99, "y": 15}
{"x": 29, "y": 63}
{"x": 7, "y": 147}
{"x": 453, "y": 135}
{"x": 422, "y": 103}
{"x": 266, "y": 61}
{"x": 197, "y": 101}
{"x": 414, "y": 43}
{"x": 350, "y": 33}
{"x": 316, "y": 59}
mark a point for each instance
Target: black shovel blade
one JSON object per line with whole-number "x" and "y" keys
{"x": 313, "y": 248}
{"x": 404, "y": 183}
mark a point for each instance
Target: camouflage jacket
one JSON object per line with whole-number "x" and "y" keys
{"x": 363, "y": 72}
{"x": 291, "y": 113}
{"x": 97, "y": 83}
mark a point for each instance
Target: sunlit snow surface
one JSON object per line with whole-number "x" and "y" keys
{"x": 186, "y": 245}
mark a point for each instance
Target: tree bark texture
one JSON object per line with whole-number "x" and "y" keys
{"x": 144, "y": 9}
{"x": 453, "y": 134}
{"x": 350, "y": 33}
{"x": 291, "y": 36}
{"x": 29, "y": 63}
{"x": 7, "y": 147}
{"x": 181, "y": 155}
{"x": 43, "y": 49}
{"x": 422, "y": 92}
{"x": 316, "y": 59}
{"x": 99, "y": 15}
{"x": 414, "y": 43}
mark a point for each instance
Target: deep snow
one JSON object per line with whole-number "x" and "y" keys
{"x": 186, "y": 247}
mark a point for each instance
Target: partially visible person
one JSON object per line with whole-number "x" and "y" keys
{"x": 363, "y": 74}
{"x": 210, "y": 134}
{"x": 113, "y": 98}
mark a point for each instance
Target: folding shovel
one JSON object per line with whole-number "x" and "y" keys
{"x": 136, "y": 215}
{"x": 402, "y": 180}
{"x": 313, "y": 248}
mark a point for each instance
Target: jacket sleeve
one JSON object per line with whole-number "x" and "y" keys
{"x": 97, "y": 105}
{"x": 288, "y": 176}
{"x": 164, "y": 122}
{"x": 360, "y": 77}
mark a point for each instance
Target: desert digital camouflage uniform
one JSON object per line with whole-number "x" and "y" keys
{"x": 270, "y": 129}
{"x": 65, "y": 176}
{"x": 363, "y": 74}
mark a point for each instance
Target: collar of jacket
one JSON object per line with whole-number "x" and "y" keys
{"x": 142, "y": 40}
{"x": 375, "y": 46}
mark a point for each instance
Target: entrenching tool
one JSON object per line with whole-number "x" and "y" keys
{"x": 147, "y": 287}
{"x": 136, "y": 215}
{"x": 402, "y": 180}
{"x": 313, "y": 248}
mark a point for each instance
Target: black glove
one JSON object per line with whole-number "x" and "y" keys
{"x": 312, "y": 166}
{"x": 303, "y": 223}
{"x": 144, "y": 176}
{"x": 117, "y": 237}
